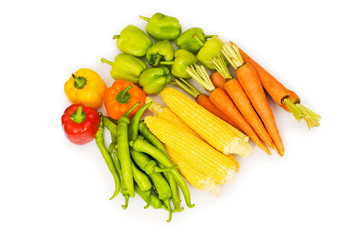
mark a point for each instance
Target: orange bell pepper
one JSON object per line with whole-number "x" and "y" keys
{"x": 121, "y": 96}
{"x": 85, "y": 87}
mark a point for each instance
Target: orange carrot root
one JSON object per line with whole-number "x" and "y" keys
{"x": 224, "y": 103}
{"x": 240, "y": 99}
{"x": 217, "y": 80}
{"x": 205, "y": 102}
{"x": 251, "y": 84}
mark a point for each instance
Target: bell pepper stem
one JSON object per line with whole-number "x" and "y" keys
{"x": 124, "y": 96}
{"x": 144, "y": 18}
{"x": 116, "y": 37}
{"x": 198, "y": 40}
{"x": 79, "y": 82}
{"x": 78, "y": 116}
{"x": 157, "y": 60}
{"x": 167, "y": 62}
{"x": 210, "y": 36}
{"x": 103, "y": 60}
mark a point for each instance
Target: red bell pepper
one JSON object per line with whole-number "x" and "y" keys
{"x": 80, "y": 123}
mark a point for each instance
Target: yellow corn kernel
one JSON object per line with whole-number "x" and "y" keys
{"x": 211, "y": 128}
{"x": 195, "y": 152}
{"x": 161, "y": 111}
{"x": 196, "y": 178}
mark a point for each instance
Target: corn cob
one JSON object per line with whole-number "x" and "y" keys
{"x": 164, "y": 112}
{"x": 208, "y": 126}
{"x": 196, "y": 178}
{"x": 234, "y": 160}
{"x": 196, "y": 153}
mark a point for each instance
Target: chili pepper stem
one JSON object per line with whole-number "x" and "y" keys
{"x": 79, "y": 115}
{"x": 210, "y": 36}
{"x": 148, "y": 200}
{"x": 132, "y": 108}
{"x": 167, "y": 203}
{"x": 144, "y": 18}
{"x": 198, "y": 40}
{"x": 103, "y": 60}
{"x": 125, "y": 205}
{"x": 166, "y": 62}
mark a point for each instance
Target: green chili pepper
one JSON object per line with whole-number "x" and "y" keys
{"x": 175, "y": 193}
{"x": 160, "y": 183}
{"x": 211, "y": 49}
{"x": 123, "y": 151}
{"x": 163, "y": 190}
{"x": 133, "y": 40}
{"x": 110, "y": 125}
{"x": 123, "y": 189}
{"x": 151, "y": 138}
{"x": 134, "y": 123}
{"x": 143, "y": 182}
{"x": 153, "y": 80}
{"x": 99, "y": 139}
{"x": 146, "y": 164}
{"x": 141, "y": 145}
{"x": 161, "y": 50}
{"x": 126, "y": 67}
{"x": 192, "y": 40}
{"x": 182, "y": 59}
{"x": 155, "y": 202}
{"x": 162, "y": 27}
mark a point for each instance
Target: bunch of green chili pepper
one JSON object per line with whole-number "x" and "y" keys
{"x": 140, "y": 164}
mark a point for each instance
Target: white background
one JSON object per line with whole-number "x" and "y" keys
{"x": 52, "y": 189}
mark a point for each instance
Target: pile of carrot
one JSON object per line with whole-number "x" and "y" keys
{"x": 241, "y": 101}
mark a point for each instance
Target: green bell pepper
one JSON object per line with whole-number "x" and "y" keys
{"x": 162, "y": 27}
{"x": 153, "y": 80}
{"x": 182, "y": 59}
{"x": 211, "y": 49}
{"x": 133, "y": 40}
{"x": 161, "y": 50}
{"x": 126, "y": 67}
{"x": 192, "y": 40}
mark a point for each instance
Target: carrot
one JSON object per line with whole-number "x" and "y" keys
{"x": 280, "y": 94}
{"x": 249, "y": 80}
{"x": 242, "y": 102}
{"x": 224, "y": 103}
{"x": 217, "y": 80}
{"x": 203, "y": 100}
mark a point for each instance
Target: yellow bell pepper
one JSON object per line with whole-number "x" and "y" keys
{"x": 85, "y": 87}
